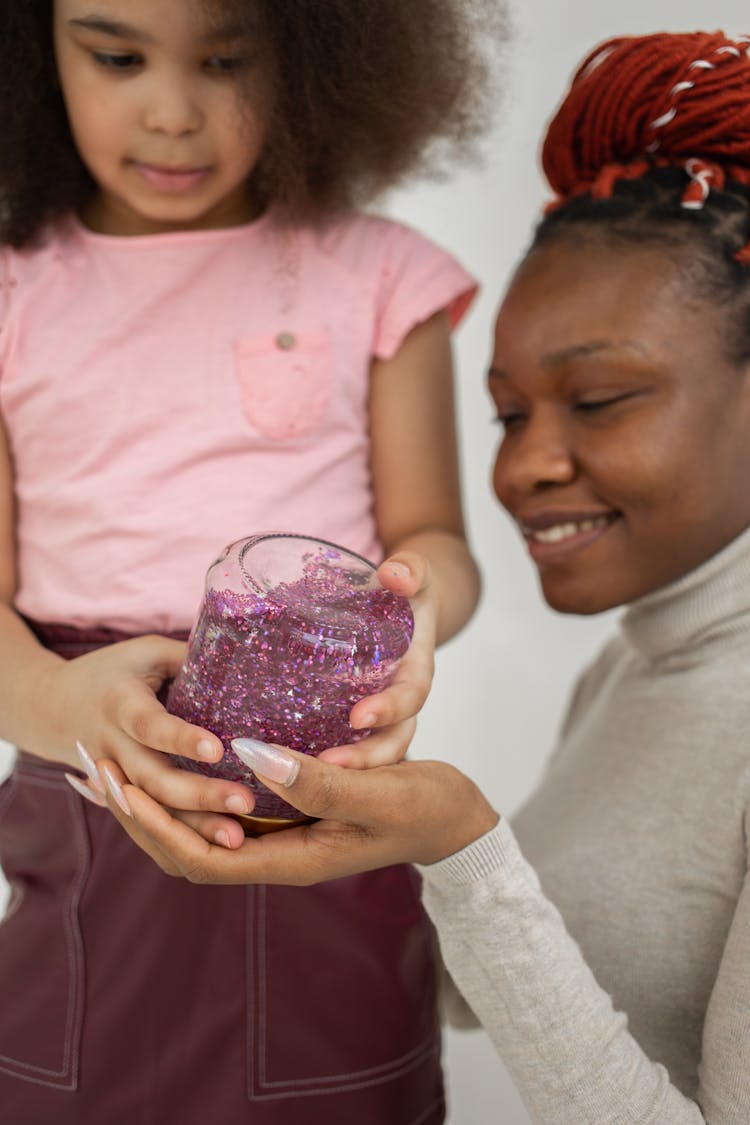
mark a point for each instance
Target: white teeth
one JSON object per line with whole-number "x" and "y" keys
{"x": 565, "y": 530}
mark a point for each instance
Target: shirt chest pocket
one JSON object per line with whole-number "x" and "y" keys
{"x": 285, "y": 382}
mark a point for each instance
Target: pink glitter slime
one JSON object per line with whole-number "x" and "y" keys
{"x": 287, "y": 661}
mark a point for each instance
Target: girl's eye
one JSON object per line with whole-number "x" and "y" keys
{"x": 115, "y": 61}
{"x": 226, "y": 64}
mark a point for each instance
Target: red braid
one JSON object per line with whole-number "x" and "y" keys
{"x": 654, "y": 100}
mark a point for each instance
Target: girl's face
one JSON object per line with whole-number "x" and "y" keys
{"x": 158, "y": 104}
{"x": 625, "y": 458}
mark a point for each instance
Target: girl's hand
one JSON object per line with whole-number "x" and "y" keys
{"x": 391, "y": 713}
{"x": 106, "y": 701}
{"x": 409, "y": 812}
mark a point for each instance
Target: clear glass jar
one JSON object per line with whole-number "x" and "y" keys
{"x": 291, "y": 633}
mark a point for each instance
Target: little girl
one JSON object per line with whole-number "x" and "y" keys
{"x": 202, "y": 339}
{"x": 604, "y": 939}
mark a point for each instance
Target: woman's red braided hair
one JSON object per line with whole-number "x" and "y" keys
{"x": 655, "y": 100}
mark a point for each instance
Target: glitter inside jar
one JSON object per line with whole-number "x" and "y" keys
{"x": 292, "y": 632}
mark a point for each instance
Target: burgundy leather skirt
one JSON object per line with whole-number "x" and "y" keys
{"x": 131, "y": 998}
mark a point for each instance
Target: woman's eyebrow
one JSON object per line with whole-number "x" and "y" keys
{"x": 592, "y": 348}
{"x": 578, "y": 351}
{"x": 562, "y": 355}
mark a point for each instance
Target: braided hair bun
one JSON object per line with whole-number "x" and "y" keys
{"x": 653, "y": 101}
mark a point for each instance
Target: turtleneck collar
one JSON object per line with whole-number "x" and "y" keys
{"x": 709, "y": 602}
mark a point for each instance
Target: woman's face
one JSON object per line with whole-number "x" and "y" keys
{"x": 625, "y": 458}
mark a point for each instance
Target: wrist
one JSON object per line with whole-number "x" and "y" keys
{"x": 481, "y": 820}
{"x": 467, "y": 816}
{"x": 48, "y": 696}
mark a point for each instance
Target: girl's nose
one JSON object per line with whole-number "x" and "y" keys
{"x": 173, "y": 109}
{"x": 538, "y": 455}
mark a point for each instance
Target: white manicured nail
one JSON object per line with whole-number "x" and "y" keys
{"x": 89, "y": 766}
{"x": 116, "y": 790}
{"x": 85, "y": 791}
{"x": 269, "y": 761}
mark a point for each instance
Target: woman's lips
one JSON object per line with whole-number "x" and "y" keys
{"x": 553, "y": 539}
{"x": 175, "y": 180}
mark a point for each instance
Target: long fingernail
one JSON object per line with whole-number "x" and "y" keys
{"x": 116, "y": 790}
{"x": 89, "y": 767}
{"x": 267, "y": 760}
{"x": 85, "y": 791}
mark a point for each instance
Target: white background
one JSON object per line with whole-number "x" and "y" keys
{"x": 500, "y": 686}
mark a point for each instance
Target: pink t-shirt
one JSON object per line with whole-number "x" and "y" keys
{"x": 167, "y": 394}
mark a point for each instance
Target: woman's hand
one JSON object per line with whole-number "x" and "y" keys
{"x": 106, "y": 701}
{"x": 391, "y": 715}
{"x": 409, "y": 812}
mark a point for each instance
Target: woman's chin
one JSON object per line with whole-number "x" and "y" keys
{"x": 581, "y": 599}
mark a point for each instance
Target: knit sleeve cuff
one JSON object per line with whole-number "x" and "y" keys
{"x": 496, "y": 851}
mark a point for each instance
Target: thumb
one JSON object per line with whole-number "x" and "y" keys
{"x": 405, "y": 573}
{"x": 319, "y": 789}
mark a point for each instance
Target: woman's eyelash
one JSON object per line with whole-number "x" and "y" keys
{"x": 598, "y": 404}
{"x": 506, "y": 420}
{"x": 511, "y": 417}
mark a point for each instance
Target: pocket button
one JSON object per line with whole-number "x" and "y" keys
{"x": 285, "y": 341}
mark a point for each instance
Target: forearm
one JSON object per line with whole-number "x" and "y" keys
{"x": 570, "y": 1052}
{"x": 454, "y": 577}
{"x": 27, "y": 713}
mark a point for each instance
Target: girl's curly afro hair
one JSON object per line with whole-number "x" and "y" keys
{"x": 366, "y": 92}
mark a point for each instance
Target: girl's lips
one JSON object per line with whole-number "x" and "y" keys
{"x": 175, "y": 180}
{"x": 558, "y": 540}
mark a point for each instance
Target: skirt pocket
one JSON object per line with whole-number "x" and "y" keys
{"x": 44, "y": 854}
{"x": 342, "y": 989}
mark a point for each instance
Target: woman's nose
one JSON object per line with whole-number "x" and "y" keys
{"x": 173, "y": 108}
{"x": 537, "y": 455}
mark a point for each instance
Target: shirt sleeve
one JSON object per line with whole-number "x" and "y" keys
{"x": 417, "y": 280}
{"x": 569, "y": 1051}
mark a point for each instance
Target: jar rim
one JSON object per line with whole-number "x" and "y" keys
{"x": 329, "y": 619}
{"x": 287, "y": 536}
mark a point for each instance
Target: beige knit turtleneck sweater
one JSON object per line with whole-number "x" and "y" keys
{"x": 618, "y": 991}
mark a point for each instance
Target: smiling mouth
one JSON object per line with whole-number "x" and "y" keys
{"x": 560, "y": 532}
{"x": 554, "y": 539}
